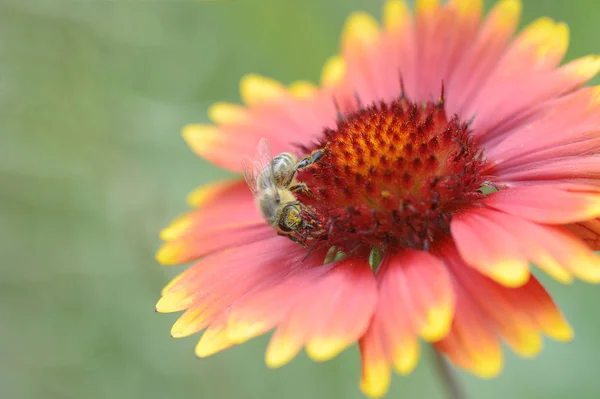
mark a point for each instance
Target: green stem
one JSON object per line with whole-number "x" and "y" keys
{"x": 452, "y": 387}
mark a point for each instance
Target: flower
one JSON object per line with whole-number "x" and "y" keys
{"x": 456, "y": 155}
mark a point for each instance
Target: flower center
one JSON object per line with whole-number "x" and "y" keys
{"x": 393, "y": 175}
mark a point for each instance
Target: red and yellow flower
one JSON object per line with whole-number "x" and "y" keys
{"x": 454, "y": 195}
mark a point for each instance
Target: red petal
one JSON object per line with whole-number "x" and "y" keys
{"x": 489, "y": 248}
{"x": 329, "y": 315}
{"x": 546, "y": 204}
{"x": 487, "y": 311}
{"x": 478, "y": 62}
{"x": 415, "y": 298}
{"x": 554, "y": 249}
{"x": 211, "y": 285}
{"x": 564, "y": 127}
{"x": 561, "y": 169}
{"x": 442, "y": 38}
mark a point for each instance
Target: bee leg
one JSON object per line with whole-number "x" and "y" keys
{"x": 298, "y": 241}
{"x": 300, "y": 188}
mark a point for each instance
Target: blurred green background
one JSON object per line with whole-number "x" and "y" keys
{"x": 93, "y": 94}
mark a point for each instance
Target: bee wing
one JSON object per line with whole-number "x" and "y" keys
{"x": 250, "y": 175}
{"x": 258, "y": 168}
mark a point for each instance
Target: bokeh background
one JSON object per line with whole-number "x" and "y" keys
{"x": 93, "y": 94}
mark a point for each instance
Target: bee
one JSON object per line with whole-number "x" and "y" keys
{"x": 272, "y": 181}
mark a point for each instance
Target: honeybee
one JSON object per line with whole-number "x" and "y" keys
{"x": 273, "y": 183}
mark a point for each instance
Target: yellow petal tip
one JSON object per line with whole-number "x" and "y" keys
{"x": 175, "y": 229}
{"x": 173, "y": 302}
{"x": 169, "y": 254}
{"x": 468, "y": 8}
{"x": 510, "y": 273}
{"x": 376, "y": 379}
{"x": 281, "y": 351}
{"x": 529, "y": 345}
{"x": 256, "y": 89}
{"x": 211, "y": 342}
{"x": 227, "y": 114}
{"x": 396, "y": 14}
{"x": 302, "y": 89}
{"x": 360, "y": 29}
{"x": 239, "y": 332}
{"x": 488, "y": 367}
{"x": 323, "y": 349}
{"x": 508, "y": 13}
{"x": 586, "y": 67}
{"x": 439, "y": 320}
{"x": 406, "y": 357}
{"x": 200, "y": 138}
{"x": 426, "y": 6}
{"x": 333, "y": 71}
{"x": 560, "y": 331}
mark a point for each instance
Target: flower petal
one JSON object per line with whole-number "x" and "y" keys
{"x": 571, "y": 168}
{"x": 546, "y": 204}
{"x": 360, "y": 47}
{"x": 211, "y": 285}
{"x": 220, "y": 205}
{"x": 256, "y": 90}
{"x": 398, "y": 51}
{"x": 194, "y": 246}
{"x": 477, "y": 63}
{"x": 336, "y": 311}
{"x": 415, "y": 298}
{"x": 487, "y": 311}
{"x": 564, "y": 127}
{"x": 553, "y": 249}
{"x": 522, "y": 94}
{"x": 489, "y": 248}
{"x": 442, "y": 37}
{"x": 326, "y": 308}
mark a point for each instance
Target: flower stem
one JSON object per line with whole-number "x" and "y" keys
{"x": 452, "y": 387}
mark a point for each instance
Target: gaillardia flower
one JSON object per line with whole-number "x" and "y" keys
{"x": 456, "y": 154}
